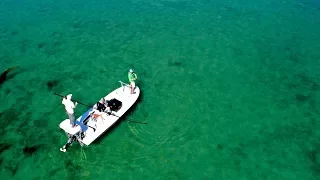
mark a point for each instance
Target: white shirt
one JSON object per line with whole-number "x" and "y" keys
{"x": 69, "y": 105}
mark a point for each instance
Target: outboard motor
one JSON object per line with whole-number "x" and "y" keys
{"x": 71, "y": 138}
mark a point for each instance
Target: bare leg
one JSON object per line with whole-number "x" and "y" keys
{"x": 132, "y": 86}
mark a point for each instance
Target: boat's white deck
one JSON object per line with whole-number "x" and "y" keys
{"x": 104, "y": 121}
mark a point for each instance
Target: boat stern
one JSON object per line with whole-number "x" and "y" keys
{"x": 66, "y": 126}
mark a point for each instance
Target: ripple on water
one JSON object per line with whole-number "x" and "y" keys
{"x": 172, "y": 127}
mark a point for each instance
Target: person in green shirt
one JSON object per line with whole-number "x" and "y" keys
{"x": 132, "y": 77}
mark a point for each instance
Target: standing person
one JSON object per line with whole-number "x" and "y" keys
{"x": 69, "y": 106}
{"x": 132, "y": 77}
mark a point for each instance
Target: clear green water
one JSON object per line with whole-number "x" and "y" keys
{"x": 230, "y": 89}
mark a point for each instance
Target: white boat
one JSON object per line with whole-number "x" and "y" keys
{"x": 93, "y": 123}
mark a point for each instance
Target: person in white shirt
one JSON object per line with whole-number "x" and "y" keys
{"x": 69, "y": 106}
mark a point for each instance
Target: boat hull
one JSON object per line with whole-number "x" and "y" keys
{"x": 94, "y": 123}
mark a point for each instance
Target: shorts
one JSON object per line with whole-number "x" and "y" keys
{"x": 133, "y": 84}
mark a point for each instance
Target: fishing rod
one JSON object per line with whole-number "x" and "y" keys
{"x": 74, "y": 100}
{"x": 130, "y": 120}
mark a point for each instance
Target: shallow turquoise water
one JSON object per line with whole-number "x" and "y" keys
{"x": 230, "y": 89}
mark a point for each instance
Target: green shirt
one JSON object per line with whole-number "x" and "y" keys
{"x": 131, "y": 77}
